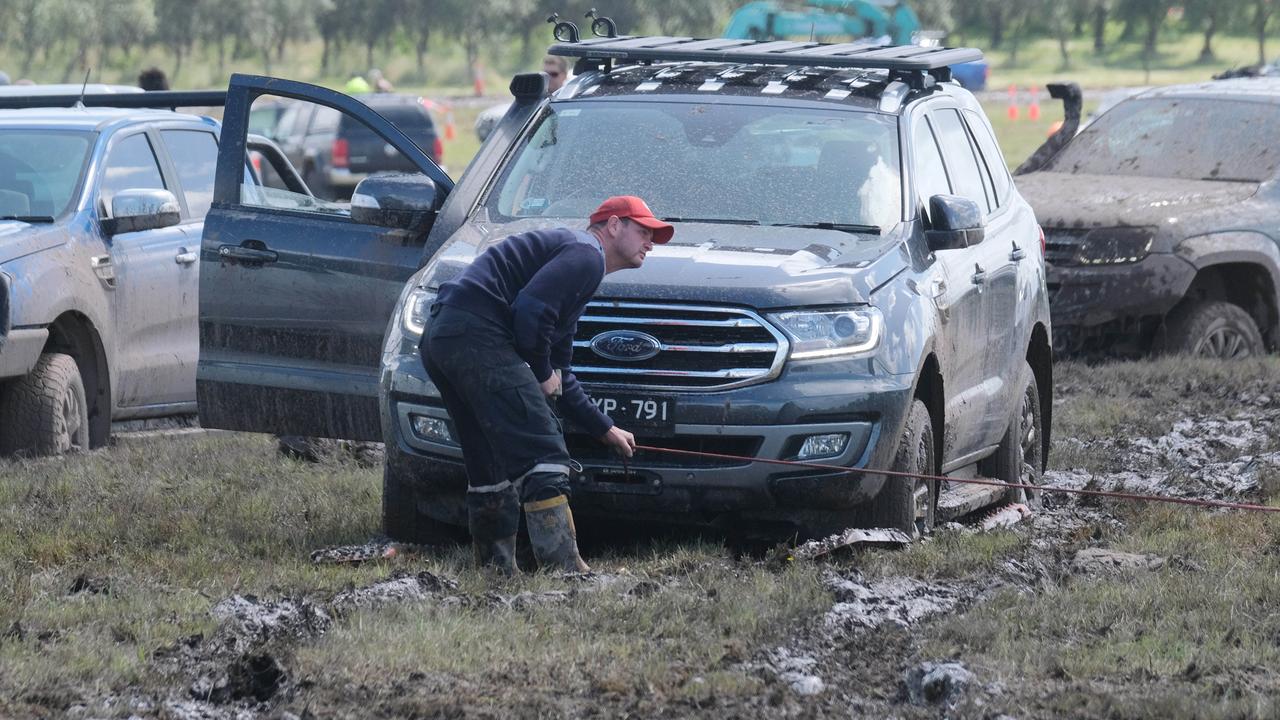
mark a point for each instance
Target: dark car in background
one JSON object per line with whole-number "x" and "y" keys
{"x": 334, "y": 152}
{"x": 1162, "y": 223}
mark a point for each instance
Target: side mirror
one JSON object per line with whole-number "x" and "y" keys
{"x": 957, "y": 223}
{"x": 136, "y": 210}
{"x": 395, "y": 200}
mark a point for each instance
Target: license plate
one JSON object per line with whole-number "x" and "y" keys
{"x": 649, "y": 411}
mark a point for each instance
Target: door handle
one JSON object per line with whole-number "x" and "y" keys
{"x": 246, "y": 254}
{"x": 1017, "y": 254}
{"x": 185, "y": 257}
{"x": 979, "y": 275}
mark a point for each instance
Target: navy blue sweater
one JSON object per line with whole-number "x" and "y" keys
{"x": 537, "y": 284}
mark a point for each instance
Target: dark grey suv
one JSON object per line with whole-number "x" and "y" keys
{"x": 854, "y": 280}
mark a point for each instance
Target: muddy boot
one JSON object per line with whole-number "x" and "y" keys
{"x": 552, "y": 535}
{"x": 494, "y": 518}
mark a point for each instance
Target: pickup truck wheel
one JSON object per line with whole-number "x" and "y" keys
{"x": 1020, "y": 457}
{"x": 1213, "y": 329}
{"x": 403, "y": 521}
{"x": 45, "y": 412}
{"x": 908, "y": 504}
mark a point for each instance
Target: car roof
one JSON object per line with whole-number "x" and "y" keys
{"x": 96, "y": 118}
{"x": 68, "y": 89}
{"x": 1258, "y": 89}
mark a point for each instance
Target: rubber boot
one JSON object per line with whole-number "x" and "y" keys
{"x": 552, "y": 535}
{"x": 494, "y": 518}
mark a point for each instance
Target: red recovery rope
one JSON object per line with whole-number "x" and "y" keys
{"x": 974, "y": 481}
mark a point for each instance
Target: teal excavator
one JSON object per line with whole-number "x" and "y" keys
{"x": 886, "y": 21}
{"x": 825, "y": 20}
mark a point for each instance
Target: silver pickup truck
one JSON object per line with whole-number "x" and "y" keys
{"x": 101, "y": 212}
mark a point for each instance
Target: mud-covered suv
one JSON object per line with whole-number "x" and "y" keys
{"x": 100, "y": 218}
{"x": 854, "y": 280}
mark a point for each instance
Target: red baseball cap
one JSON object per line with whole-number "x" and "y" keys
{"x": 634, "y": 209}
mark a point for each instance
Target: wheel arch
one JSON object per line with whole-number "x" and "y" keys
{"x": 1248, "y": 285}
{"x": 74, "y": 334}
{"x": 929, "y": 390}
{"x": 1040, "y": 358}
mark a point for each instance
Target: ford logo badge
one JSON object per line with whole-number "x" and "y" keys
{"x": 625, "y": 345}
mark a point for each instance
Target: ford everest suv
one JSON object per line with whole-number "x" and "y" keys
{"x": 854, "y": 280}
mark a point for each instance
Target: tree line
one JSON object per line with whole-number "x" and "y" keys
{"x": 80, "y": 34}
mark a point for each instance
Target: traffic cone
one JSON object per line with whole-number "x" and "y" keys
{"x": 1033, "y": 110}
{"x": 1013, "y": 102}
{"x": 449, "y": 131}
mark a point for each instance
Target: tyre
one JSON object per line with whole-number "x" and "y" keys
{"x": 402, "y": 517}
{"x": 45, "y": 412}
{"x": 908, "y": 504}
{"x": 1019, "y": 459}
{"x": 1211, "y": 329}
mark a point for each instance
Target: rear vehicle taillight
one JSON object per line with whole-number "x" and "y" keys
{"x": 1042, "y": 243}
{"x": 341, "y": 153}
{"x": 437, "y": 149}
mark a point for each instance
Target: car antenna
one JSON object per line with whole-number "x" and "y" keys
{"x": 83, "y": 88}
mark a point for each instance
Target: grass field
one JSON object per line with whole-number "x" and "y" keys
{"x": 110, "y": 563}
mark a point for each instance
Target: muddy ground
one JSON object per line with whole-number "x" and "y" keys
{"x": 897, "y": 634}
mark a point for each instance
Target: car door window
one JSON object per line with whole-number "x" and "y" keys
{"x": 131, "y": 165}
{"x": 195, "y": 155}
{"x": 930, "y": 174}
{"x": 330, "y": 159}
{"x": 991, "y": 156}
{"x": 957, "y": 152}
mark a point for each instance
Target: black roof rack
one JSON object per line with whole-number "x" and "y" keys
{"x": 159, "y": 99}
{"x": 902, "y": 58}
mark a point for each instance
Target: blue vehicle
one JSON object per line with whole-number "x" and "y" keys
{"x": 854, "y": 280}
{"x": 873, "y": 22}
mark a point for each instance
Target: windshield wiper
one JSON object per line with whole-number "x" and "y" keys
{"x": 842, "y": 227}
{"x": 719, "y": 221}
{"x": 28, "y": 218}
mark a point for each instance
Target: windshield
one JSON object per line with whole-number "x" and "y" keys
{"x": 40, "y": 171}
{"x": 745, "y": 163}
{"x": 1185, "y": 138}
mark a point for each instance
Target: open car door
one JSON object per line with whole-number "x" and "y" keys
{"x": 296, "y": 290}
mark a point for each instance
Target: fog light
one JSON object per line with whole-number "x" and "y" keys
{"x": 823, "y": 446}
{"x": 429, "y": 428}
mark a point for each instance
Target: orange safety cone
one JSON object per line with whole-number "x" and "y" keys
{"x": 1013, "y": 102}
{"x": 449, "y": 131}
{"x": 1033, "y": 110}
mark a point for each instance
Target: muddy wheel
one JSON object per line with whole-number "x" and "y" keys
{"x": 45, "y": 413}
{"x": 402, "y": 517}
{"x": 1212, "y": 329}
{"x": 909, "y": 504}
{"x": 1020, "y": 457}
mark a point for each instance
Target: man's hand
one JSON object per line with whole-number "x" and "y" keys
{"x": 551, "y": 386}
{"x": 620, "y": 440}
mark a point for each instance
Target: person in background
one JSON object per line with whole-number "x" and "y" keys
{"x": 556, "y": 69}
{"x": 153, "y": 78}
{"x": 379, "y": 82}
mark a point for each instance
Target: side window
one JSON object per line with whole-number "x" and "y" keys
{"x": 335, "y": 153}
{"x": 930, "y": 175}
{"x": 195, "y": 154}
{"x": 991, "y": 155}
{"x": 130, "y": 165}
{"x": 962, "y": 165}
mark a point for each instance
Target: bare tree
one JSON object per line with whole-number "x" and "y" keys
{"x": 1263, "y": 10}
{"x": 1209, "y": 16}
{"x": 176, "y": 28}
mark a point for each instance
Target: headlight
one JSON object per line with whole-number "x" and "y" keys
{"x": 413, "y": 315}
{"x": 831, "y": 333}
{"x": 1115, "y": 245}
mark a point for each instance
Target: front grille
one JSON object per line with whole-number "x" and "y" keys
{"x": 1062, "y": 246}
{"x": 591, "y": 452}
{"x": 699, "y": 347}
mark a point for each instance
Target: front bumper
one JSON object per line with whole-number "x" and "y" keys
{"x": 1090, "y": 296}
{"x": 768, "y": 420}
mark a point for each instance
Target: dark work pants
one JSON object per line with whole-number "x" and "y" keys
{"x": 504, "y": 423}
